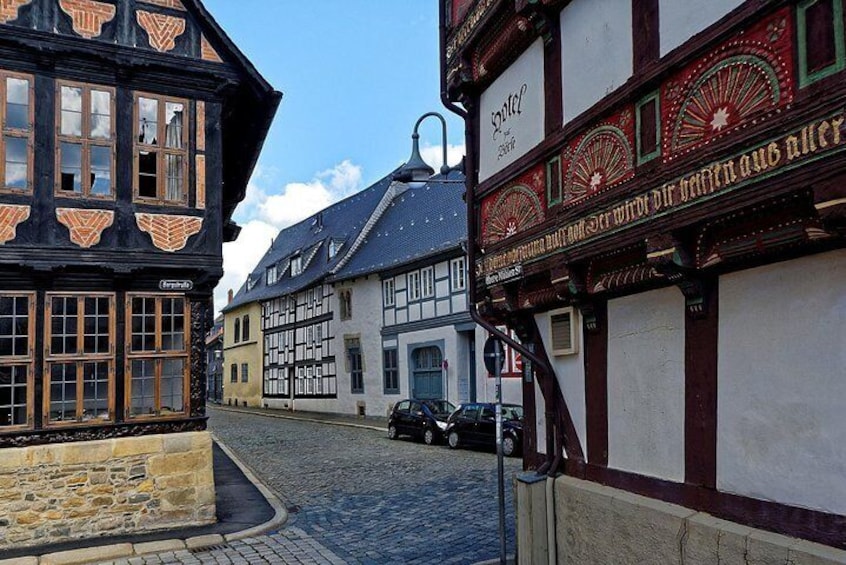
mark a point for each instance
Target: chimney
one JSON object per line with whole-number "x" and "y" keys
{"x": 230, "y": 296}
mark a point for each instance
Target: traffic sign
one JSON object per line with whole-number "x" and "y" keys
{"x": 494, "y": 354}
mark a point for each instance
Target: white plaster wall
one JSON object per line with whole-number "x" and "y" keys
{"x": 596, "y": 51}
{"x": 365, "y": 321}
{"x": 646, "y": 385}
{"x": 782, "y": 383}
{"x": 570, "y": 372}
{"x": 520, "y": 131}
{"x": 679, "y": 20}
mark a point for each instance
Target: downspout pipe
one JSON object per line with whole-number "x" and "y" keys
{"x": 552, "y": 462}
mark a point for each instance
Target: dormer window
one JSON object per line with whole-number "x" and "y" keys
{"x": 272, "y": 275}
{"x": 334, "y": 247}
{"x": 296, "y": 265}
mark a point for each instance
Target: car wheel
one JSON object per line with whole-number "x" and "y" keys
{"x": 428, "y": 436}
{"x": 453, "y": 440}
{"x": 392, "y": 432}
{"x": 509, "y": 446}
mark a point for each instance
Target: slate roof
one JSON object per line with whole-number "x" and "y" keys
{"x": 419, "y": 223}
{"x": 343, "y": 221}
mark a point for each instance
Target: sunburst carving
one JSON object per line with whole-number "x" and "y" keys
{"x": 603, "y": 158}
{"x": 515, "y": 210}
{"x": 724, "y": 97}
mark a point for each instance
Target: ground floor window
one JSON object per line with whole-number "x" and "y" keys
{"x": 17, "y": 324}
{"x": 79, "y": 365}
{"x": 276, "y": 382}
{"x": 158, "y": 364}
{"x": 389, "y": 358}
{"x": 310, "y": 382}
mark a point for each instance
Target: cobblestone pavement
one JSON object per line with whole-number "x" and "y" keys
{"x": 354, "y": 496}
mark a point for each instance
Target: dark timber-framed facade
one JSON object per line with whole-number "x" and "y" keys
{"x": 130, "y": 129}
{"x": 656, "y": 205}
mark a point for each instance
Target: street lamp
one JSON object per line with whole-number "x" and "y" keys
{"x": 416, "y": 172}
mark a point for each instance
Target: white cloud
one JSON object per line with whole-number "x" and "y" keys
{"x": 299, "y": 200}
{"x": 434, "y": 155}
{"x": 263, "y": 213}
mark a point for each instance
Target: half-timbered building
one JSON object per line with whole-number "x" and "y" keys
{"x": 656, "y": 208}
{"x": 129, "y": 131}
{"x": 409, "y": 333}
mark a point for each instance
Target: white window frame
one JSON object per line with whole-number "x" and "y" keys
{"x": 389, "y": 292}
{"x": 427, "y": 282}
{"x": 458, "y": 269}
{"x": 414, "y": 285}
{"x": 296, "y": 265}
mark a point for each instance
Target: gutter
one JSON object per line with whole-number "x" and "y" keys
{"x": 470, "y": 176}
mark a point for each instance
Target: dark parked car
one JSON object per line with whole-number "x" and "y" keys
{"x": 423, "y": 419}
{"x": 475, "y": 424}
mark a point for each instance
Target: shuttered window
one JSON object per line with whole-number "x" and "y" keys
{"x": 563, "y": 331}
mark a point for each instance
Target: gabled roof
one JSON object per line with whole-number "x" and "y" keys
{"x": 309, "y": 239}
{"x": 420, "y": 223}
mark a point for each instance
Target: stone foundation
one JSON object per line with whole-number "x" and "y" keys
{"x": 61, "y": 492}
{"x": 600, "y": 525}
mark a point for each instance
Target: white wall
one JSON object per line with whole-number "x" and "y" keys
{"x": 681, "y": 19}
{"x": 512, "y": 387}
{"x": 596, "y": 51}
{"x": 570, "y": 371}
{"x": 512, "y": 113}
{"x": 646, "y": 384}
{"x": 782, "y": 383}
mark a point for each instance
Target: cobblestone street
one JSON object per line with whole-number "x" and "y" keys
{"x": 354, "y": 496}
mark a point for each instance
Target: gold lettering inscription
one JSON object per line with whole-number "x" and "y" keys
{"x": 810, "y": 140}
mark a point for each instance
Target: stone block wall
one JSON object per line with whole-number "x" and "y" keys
{"x": 595, "y": 524}
{"x": 62, "y": 492}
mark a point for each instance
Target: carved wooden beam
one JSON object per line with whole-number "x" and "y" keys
{"x": 830, "y": 204}
{"x": 538, "y": 15}
{"x": 670, "y": 257}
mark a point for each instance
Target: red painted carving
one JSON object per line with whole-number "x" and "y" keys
{"x": 514, "y": 209}
{"x": 745, "y": 80}
{"x": 601, "y": 158}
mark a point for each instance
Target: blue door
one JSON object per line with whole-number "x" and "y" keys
{"x": 427, "y": 380}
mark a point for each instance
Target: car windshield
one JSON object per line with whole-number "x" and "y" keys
{"x": 512, "y": 412}
{"x": 440, "y": 406}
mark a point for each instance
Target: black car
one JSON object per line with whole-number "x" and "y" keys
{"x": 423, "y": 419}
{"x": 475, "y": 424}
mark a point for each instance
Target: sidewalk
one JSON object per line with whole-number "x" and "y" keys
{"x": 378, "y": 423}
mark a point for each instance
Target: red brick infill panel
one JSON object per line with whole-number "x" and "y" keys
{"x": 162, "y": 29}
{"x": 85, "y": 226}
{"x": 169, "y": 233}
{"x": 208, "y": 52}
{"x": 10, "y": 217}
{"x": 174, "y": 4}
{"x": 88, "y": 16}
{"x": 9, "y": 9}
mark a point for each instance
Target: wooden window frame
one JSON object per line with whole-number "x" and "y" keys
{"x": 390, "y": 371}
{"x": 554, "y": 164}
{"x": 158, "y": 356}
{"x": 161, "y": 150}
{"x": 27, "y": 134}
{"x": 85, "y": 140}
{"x": 80, "y": 358}
{"x": 414, "y": 286}
{"x": 27, "y": 360}
{"x": 806, "y": 78}
{"x": 656, "y": 97}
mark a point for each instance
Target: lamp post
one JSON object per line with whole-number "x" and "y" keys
{"x": 416, "y": 172}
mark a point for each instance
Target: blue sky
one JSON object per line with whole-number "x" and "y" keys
{"x": 356, "y": 75}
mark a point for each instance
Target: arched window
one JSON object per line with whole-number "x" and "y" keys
{"x": 246, "y": 329}
{"x": 237, "y": 333}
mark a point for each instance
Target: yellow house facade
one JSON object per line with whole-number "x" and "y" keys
{"x": 242, "y": 355}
